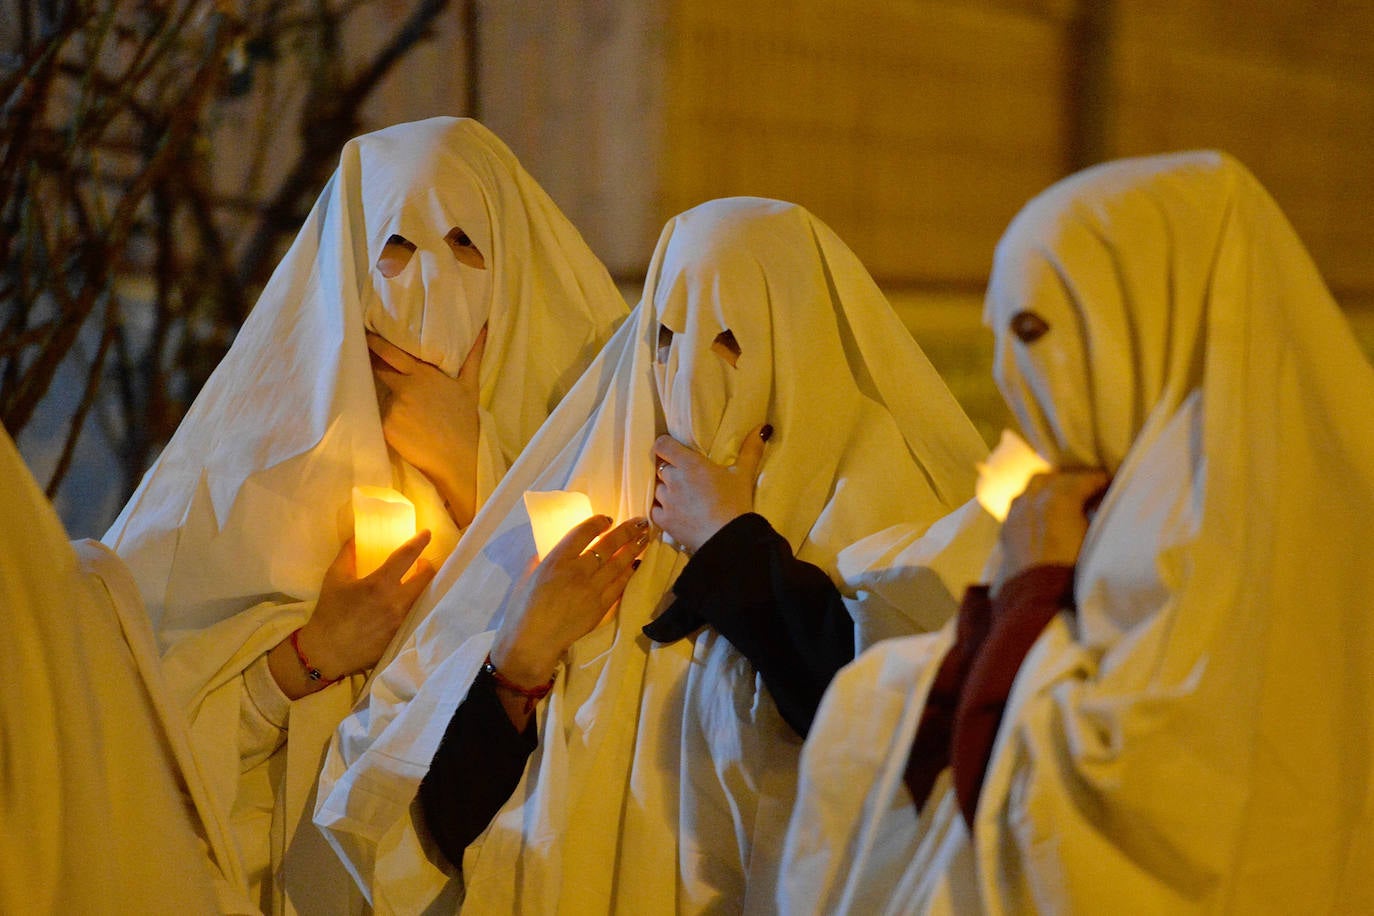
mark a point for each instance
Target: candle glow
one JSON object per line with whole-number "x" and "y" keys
{"x": 383, "y": 520}
{"x": 1005, "y": 474}
{"x": 553, "y": 513}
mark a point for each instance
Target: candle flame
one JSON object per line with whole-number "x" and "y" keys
{"x": 1005, "y": 474}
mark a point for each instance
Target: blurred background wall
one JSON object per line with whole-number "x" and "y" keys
{"x": 915, "y": 128}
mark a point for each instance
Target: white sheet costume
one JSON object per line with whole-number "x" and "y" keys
{"x": 232, "y": 529}
{"x": 102, "y": 806}
{"x": 1198, "y": 736}
{"x": 665, "y": 774}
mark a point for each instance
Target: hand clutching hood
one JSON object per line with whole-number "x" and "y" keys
{"x": 665, "y": 773}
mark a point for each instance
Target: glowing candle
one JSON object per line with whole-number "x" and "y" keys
{"x": 553, "y": 513}
{"x": 1006, "y": 472}
{"x": 382, "y": 521}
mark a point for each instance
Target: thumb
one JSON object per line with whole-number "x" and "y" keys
{"x": 344, "y": 567}
{"x": 473, "y": 362}
{"x": 751, "y": 450}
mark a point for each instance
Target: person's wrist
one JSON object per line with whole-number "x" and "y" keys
{"x": 314, "y": 641}
{"x": 523, "y": 665}
{"x": 461, "y": 501}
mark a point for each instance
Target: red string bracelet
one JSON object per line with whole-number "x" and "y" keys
{"x": 532, "y": 695}
{"x": 315, "y": 674}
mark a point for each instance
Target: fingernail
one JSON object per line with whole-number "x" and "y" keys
{"x": 635, "y": 564}
{"x": 642, "y": 523}
{"x": 767, "y": 432}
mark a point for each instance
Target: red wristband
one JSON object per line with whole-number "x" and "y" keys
{"x": 315, "y": 674}
{"x": 532, "y": 695}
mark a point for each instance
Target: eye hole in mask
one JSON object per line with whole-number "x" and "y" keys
{"x": 1029, "y": 327}
{"x": 726, "y": 347}
{"x": 464, "y": 250}
{"x": 395, "y": 256}
{"x": 665, "y": 340}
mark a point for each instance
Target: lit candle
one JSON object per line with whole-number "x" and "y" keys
{"x": 553, "y": 513}
{"x": 382, "y": 521}
{"x": 1006, "y": 472}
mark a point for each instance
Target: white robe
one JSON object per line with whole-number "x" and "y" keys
{"x": 1196, "y": 737}
{"x": 103, "y": 808}
{"x": 665, "y": 774}
{"x": 230, "y": 532}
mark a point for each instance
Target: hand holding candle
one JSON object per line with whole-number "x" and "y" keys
{"x": 573, "y": 589}
{"x": 357, "y": 615}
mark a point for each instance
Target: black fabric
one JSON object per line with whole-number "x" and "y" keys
{"x": 475, "y": 770}
{"x": 782, "y": 614}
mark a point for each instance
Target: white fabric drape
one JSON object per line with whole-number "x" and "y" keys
{"x": 231, "y": 530}
{"x": 102, "y": 805}
{"x": 1197, "y": 737}
{"x": 665, "y": 774}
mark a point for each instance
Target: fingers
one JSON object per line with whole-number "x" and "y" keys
{"x": 345, "y": 563}
{"x": 620, "y": 544}
{"x": 619, "y": 547}
{"x": 392, "y": 355}
{"x": 419, "y": 580}
{"x": 1075, "y": 490}
{"x": 751, "y": 450}
{"x": 577, "y": 539}
{"x": 403, "y": 557}
{"x": 473, "y": 362}
{"x": 669, "y": 450}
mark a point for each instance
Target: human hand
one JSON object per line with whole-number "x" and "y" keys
{"x": 431, "y": 419}
{"x": 1046, "y": 524}
{"x": 695, "y": 497}
{"x": 565, "y": 597}
{"x": 355, "y": 619}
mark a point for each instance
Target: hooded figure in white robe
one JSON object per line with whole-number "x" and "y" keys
{"x": 231, "y": 531}
{"x": 664, "y": 773}
{"x": 1197, "y": 735}
{"x": 103, "y": 810}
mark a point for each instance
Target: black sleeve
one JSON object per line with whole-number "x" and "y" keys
{"x": 784, "y": 615}
{"x": 475, "y": 770}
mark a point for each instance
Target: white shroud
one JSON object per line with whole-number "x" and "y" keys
{"x": 665, "y": 774}
{"x": 102, "y": 806}
{"x": 231, "y": 530}
{"x": 1197, "y": 737}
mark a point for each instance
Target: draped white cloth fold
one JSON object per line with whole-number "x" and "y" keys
{"x": 665, "y": 774}
{"x": 1196, "y": 738}
{"x": 104, "y": 810}
{"x": 231, "y": 531}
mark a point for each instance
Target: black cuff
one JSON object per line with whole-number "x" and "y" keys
{"x": 679, "y": 621}
{"x": 475, "y": 770}
{"x": 706, "y": 572}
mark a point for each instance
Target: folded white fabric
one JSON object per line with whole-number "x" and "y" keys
{"x": 665, "y": 773}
